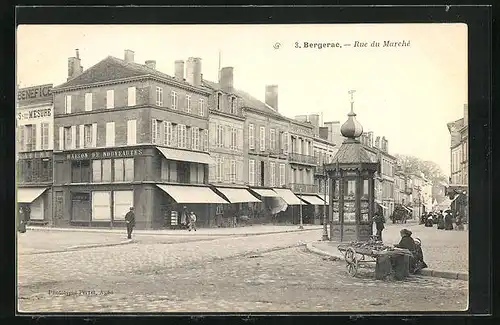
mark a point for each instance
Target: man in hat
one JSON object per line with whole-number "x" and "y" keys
{"x": 379, "y": 224}
{"x": 130, "y": 220}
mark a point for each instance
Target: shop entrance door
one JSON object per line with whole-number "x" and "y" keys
{"x": 80, "y": 207}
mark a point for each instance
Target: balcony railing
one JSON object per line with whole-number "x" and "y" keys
{"x": 303, "y": 159}
{"x": 304, "y": 188}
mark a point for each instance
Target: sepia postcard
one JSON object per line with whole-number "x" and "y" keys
{"x": 242, "y": 168}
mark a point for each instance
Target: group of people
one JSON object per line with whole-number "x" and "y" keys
{"x": 444, "y": 221}
{"x": 407, "y": 242}
{"x": 188, "y": 220}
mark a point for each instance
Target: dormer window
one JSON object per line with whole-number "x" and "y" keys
{"x": 219, "y": 101}
{"x": 232, "y": 104}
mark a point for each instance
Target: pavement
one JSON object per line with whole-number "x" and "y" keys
{"x": 445, "y": 252}
{"x": 266, "y": 273}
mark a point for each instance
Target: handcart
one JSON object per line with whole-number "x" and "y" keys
{"x": 358, "y": 253}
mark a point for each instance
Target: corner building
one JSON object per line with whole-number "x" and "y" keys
{"x": 128, "y": 135}
{"x": 34, "y": 160}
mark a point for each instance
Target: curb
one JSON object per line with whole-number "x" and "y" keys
{"x": 79, "y": 247}
{"x": 425, "y": 272}
{"x": 167, "y": 234}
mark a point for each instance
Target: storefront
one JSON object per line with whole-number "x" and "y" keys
{"x": 34, "y": 204}
{"x": 177, "y": 201}
{"x": 313, "y": 205}
{"x": 96, "y": 187}
{"x": 242, "y": 205}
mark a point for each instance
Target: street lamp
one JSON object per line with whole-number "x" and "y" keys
{"x": 301, "y": 226}
{"x": 325, "y": 227}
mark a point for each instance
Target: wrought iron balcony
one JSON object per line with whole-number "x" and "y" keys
{"x": 304, "y": 188}
{"x": 302, "y": 159}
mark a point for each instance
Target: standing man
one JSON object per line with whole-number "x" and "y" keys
{"x": 379, "y": 223}
{"x": 192, "y": 221}
{"x": 130, "y": 219}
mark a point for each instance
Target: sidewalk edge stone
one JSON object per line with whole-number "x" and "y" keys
{"x": 148, "y": 233}
{"x": 425, "y": 272}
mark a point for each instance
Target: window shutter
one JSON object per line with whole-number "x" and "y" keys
{"x": 61, "y": 138}
{"x": 73, "y": 137}
{"x": 110, "y": 134}
{"x": 225, "y": 170}
{"x": 81, "y": 136}
{"x": 21, "y": 137}
{"x": 131, "y": 132}
{"x": 212, "y": 134}
{"x": 154, "y": 126}
{"x": 37, "y": 139}
{"x": 110, "y": 98}
{"x": 131, "y": 96}
{"x": 227, "y": 136}
{"x": 68, "y": 104}
{"x": 205, "y": 144}
{"x": 211, "y": 173}
{"x": 174, "y": 135}
{"x": 258, "y": 173}
{"x": 94, "y": 135}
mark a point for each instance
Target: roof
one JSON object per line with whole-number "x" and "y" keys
{"x": 112, "y": 68}
{"x": 352, "y": 152}
{"x": 457, "y": 125}
{"x": 249, "y": 100}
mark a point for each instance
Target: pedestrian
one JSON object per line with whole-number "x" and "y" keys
{"x": 130, "y": 219}
{"x": 184, "y": 217}
{"x": 460, "y": 224}
{"x": 379, "y": 223}
{"x": 440, "y": 222}
{"x": 429, "y": 222}
{"x": 448, "y": 221}
{"x": 192, "y": 221}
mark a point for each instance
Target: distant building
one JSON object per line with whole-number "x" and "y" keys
{"x": 459, "y": 149}
{"x": 378, "y": 149}
{"x": 34, "y": 147}
{"x": 457, "y": 190}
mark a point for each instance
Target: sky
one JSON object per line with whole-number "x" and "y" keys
{"x": 407, "y": 94}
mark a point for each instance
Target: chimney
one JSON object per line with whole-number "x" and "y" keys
{"x": 323, "y": 132}
{"x": 466, "y": 114}
{"x": 226, "y": 79}
{"x": 151, "y": 64}
{"x": 370, "y": 139}
{"x": 272, "y": 96}
{"x": 193, "y": 71}
{"x": 74, "y": 66}
{"x": 179, "y": 70}
{"x": 377, "y": 142}
{"x": 129, "y": 56}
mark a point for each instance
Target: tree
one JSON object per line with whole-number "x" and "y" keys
{"x": 431, "y": 170}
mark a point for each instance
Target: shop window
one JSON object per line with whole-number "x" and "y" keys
{"x": 122, "y": 201}
{"x": 124, "y": 170}
{"x": 183, "y": 170}
{"x": 80, "y": 171}
{"x": 101, "y": 205}
{"x": 37, "y": 209}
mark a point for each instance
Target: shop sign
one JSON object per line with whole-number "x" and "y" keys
{"x": 34, "y": 113}
{"x": 33, "y": 155}
{"x": 35, "y": 93}
{"x": 104, "y": 154}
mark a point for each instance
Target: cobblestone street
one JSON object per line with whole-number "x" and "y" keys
{"x": 226, "y": 274}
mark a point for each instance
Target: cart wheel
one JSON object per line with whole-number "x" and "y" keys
{"x": 352, "y": 261}
{"x": 352, "y": 268}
